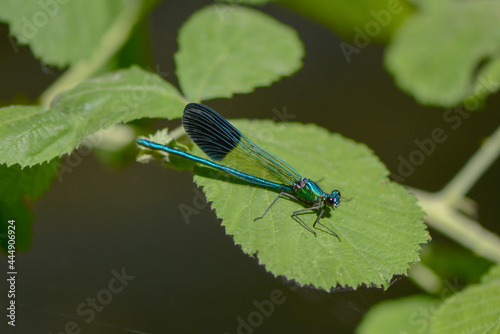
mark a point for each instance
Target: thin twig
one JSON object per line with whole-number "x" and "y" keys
{"x": 461, "y": 183}
{"x": 442, "y": 216}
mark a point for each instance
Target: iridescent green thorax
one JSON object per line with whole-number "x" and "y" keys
{"x": 309, "y": 192}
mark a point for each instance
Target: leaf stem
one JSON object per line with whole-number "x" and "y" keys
{"x": 473, "y": 169}
{"x": 111, "y": 42}
{"x": 457, "y": 226}
{"x": 177, "y": 132}
{"x": 426, "y": 278}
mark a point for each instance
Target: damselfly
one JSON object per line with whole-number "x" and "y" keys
{"x": 231, "y": 152}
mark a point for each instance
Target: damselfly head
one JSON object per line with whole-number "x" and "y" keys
{"x": 333, "y": 199}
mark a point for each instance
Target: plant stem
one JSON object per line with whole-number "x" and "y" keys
{"x": 441, "y": 206}
{"x": 111, "y": 42}
{"x": 465, "y": 231}
{"x": 426, "y": 278}
{"x": 473, "y": 169}
{"x": 177, "y": 132}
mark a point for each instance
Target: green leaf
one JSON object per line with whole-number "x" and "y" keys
{"x": 23, "y": 217}
{"x": 245, "y": 2}
{"x": 166, "y": 138}
{"x": 361, "y": 20}
{"x": 474, "y": 310}
{"x": 492, "y": 276}
{"x": 488, "y": 83}
{"x": 32, "y": 135}
{"x": 380, "y": 227}
{"x": 405, "y": 315}
{"x": 32, "y": 182}
{"x": 60, "y": 33}
{"x": 225, "y": 50}
{"x": 436, "y": 53}
{"x": 430, "y": 4}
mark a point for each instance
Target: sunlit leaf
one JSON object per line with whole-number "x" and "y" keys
{"x": 381, "y": 226}
{"x": 474, "y": 310}
{"x": 60, "y": 32}
{"x": 31, "y": 135}
{"x": 224, "y": 50}
{"x": 436, "y": 53}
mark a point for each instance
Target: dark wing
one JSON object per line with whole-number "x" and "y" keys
{"x": 223, "y": 143}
